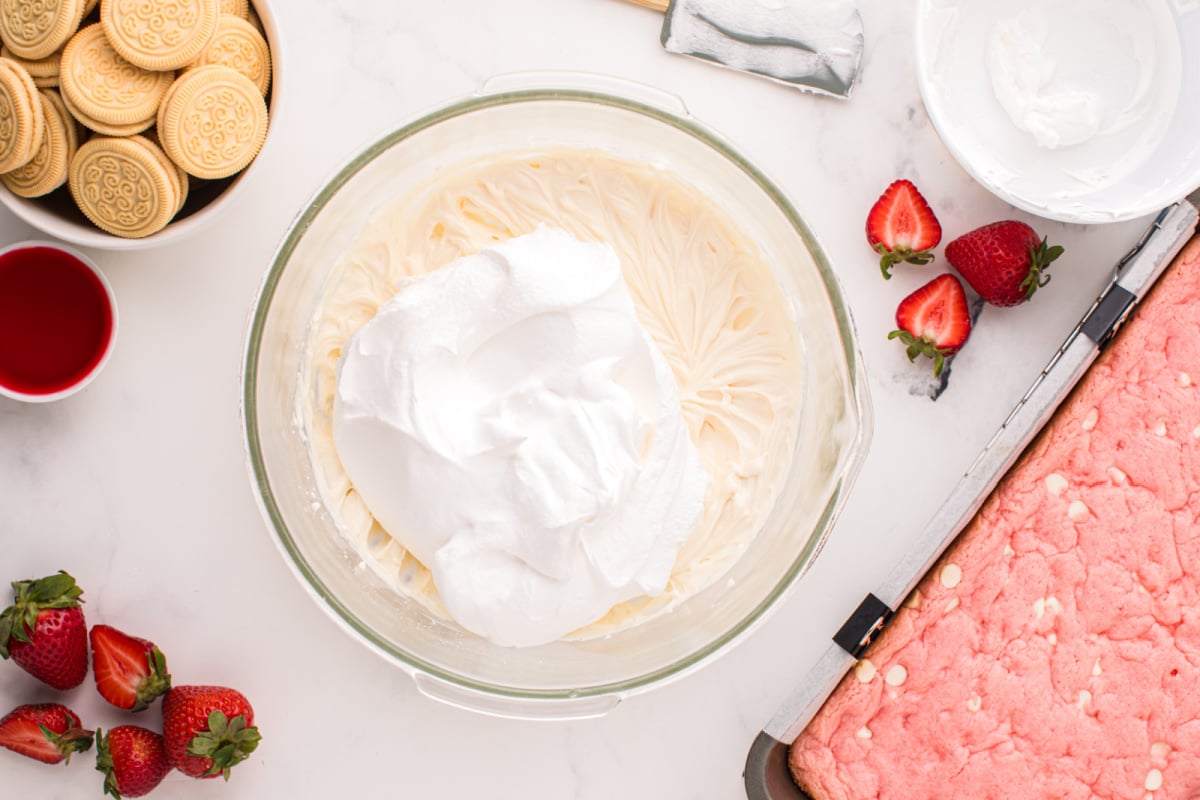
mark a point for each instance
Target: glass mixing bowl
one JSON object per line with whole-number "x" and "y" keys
{"x": 565, "y": 678}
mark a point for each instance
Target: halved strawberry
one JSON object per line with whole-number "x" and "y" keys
{"x": 934, "y": 321}
{"x": 902, "y": 227}
{"x": 130, "y": 672}
{"x": 48, "y": 732}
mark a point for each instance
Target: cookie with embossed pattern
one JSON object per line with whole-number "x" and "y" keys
{"x": 44, "y": 71}
{"x": 106, "y": 87}
{"x": 73, "y": 128}
{"x": 47, "y": 170}
{"x": 22, "y": 119}
{"x": 239, "y": 8}
{"x": 213, "y": 121}
{"x": 103, "y": 127}
{"x": 161, "y": 35}
{"x": 238, "y": 45}
{"x": 122, "y": 187}
{"x": 34, "y": 29}
{"x": 253, "y": 18}
{"x": 178, "y": 178}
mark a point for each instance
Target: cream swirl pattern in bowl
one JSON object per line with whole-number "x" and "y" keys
{"x": 703, "y": 293}
{"x": 629, "y": 162}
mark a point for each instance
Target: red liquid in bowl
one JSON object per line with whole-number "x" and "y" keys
{"x": 56, "y": 320}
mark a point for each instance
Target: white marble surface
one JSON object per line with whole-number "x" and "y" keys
{"x": 138, "y": 485}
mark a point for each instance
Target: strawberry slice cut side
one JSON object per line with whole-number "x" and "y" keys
{"x": 130, "y": 672}
{"x": 46, "y": 732}
{"x": 934, "y": 321}
{"x": 902, "y": 227}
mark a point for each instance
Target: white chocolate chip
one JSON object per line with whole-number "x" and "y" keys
{"x": 864, "y": 732}
{"x": 1097, "y": 671}
{"x": 1117, "y": 475}
{"x": 1091, "y": 419}
{"x": 1185, "y": 380}
{"x": 865, "y": 670}
{"x": 974, "y": 703}
{"x": 1077, "y": 511}
{"x": 1154, "y": 780}
{"x": 1052, "y": 605}
{"x": 951, "y": 575}
{"x": 1160, "y": 429}
{"x": 1039, "y": 608}
{"x": 1052, "y": 637}
{"x": 1055, "y": 484}
{"x": 1160, "y": 750}
{"x": 914, "y": 599}
{"x": 1008, "y": 551}
{"x": 953, "y": 604}
{"x": 1085, "y": 697}
{"x": 1196, "y": 432}
{"x": 896, "y": 675}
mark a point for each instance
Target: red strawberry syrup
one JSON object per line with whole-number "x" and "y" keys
{"x": 56, "y": 320}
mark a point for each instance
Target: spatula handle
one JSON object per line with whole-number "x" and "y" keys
{"x": 658, "y": 5}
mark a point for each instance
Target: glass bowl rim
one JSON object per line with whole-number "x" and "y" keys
{"x": 249, "y": 406}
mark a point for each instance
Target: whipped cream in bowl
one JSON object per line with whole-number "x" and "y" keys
{"x": 1077, "y": 110}
{"x": 508, "y": 419}
{"x": 550, "y": 396}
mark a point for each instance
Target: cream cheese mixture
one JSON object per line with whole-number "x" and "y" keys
{"x": 703, "y": 293}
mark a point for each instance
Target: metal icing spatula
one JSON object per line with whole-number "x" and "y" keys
{"x": 814, "y": 45}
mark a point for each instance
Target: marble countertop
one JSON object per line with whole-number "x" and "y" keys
{"x": 138, "y": 485}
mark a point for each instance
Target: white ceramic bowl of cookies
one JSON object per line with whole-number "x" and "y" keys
{"x": 57, "y": 215}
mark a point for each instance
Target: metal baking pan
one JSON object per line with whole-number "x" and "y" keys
{"x": 766, "y": 772}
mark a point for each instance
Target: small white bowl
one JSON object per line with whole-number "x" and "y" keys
{"x": 57, "y": 215}
{"x": 109, "y": 345}
{"x": 1121, "y": 174}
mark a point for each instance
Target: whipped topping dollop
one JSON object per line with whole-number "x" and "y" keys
{"x": 509, "y": 421}
{"x": 1064, "y": 84}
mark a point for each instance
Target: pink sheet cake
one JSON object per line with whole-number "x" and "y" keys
{"x": 1054, "y": 650}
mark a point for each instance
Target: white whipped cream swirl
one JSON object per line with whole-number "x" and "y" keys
{"x": 509, "y": 421}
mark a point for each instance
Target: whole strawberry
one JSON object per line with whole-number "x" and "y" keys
{"x": 1004, "y": 262}
{"x": 934, "y": 321}
{"x": 208, "y": 730}
{"x": 44, "y": 632}
{"x": 48, "y": 732}
{"x": 130, "y": 672}
{"x": 902, "y": 227}
{"x": 133, "y": 760}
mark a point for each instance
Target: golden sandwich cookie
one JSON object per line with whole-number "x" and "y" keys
{"x": 104, "y": 86}
{"x": 162, "y": 35}
{"x": 22, "y": 119}
{"x": 48, "y": 169}
{"x": 253, "y": 18}
{"x": 239, "y": 45}
{"x": 103, "y": 127}
{"x": 73, "y": 128}
{"x": 179, "y": 178}
{"x": 34, "y": 29}
{"x": 239, "y": 8}
{"x": 44, "y": 71}
{"x": 212, "y": 122}
{"x": 122, "y": 186}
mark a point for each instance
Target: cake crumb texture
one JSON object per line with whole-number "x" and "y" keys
{"x": 1070, "y": 665}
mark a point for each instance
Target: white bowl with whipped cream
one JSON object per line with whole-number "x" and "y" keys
{"x": 1083, "y": 111}
{"x": 550, "y": 396}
